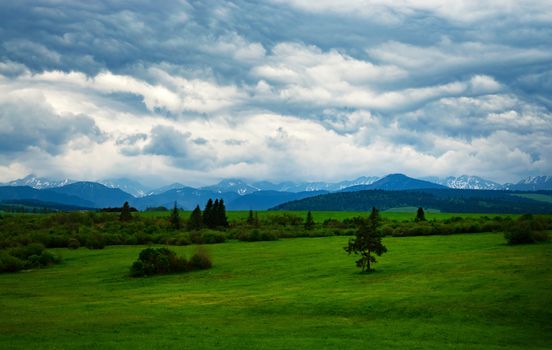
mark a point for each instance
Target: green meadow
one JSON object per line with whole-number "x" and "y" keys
{"x": 468, "y": 291}
{"x": 400, "y": 214}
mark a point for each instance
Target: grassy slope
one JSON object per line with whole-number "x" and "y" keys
{"x": 461, "y": 291}
{"x": 536, "y": 196}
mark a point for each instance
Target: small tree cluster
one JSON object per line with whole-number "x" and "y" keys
{"x": 253, "y": 218}
{"x": 214, "y": 214}
{"x": 309, "y": 223}
{"x": 420, "y": 215}
{"x": 125, "y": 213}
{"x": 26, "y": 257}
{"x": 152, "y": 261}
{"x": 367, "y": 241}
{"x": 525, "y": 230}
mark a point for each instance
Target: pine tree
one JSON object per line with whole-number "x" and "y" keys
{"x": 367, "y": 241}
{"x": 196, "y": 220}
{"x": 222, "y": 219}
{"x": 250, "y": 218}
{"x": 174, "y": 218}
{"x": 208, "y": 213}
{"x": 309, "y": 223}
{"x": 216, "y": 214}
{"x": 420, "y": 215}
{"x": 125, "y": 213}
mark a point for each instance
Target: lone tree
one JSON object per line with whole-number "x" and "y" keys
{"x": 420, "y": 215}
{"x": 367, "y": 241}
{"x": 125, "y": 213}
{"x": 309, "y": 223}
{"x": 174, "y": 218}
{"x": 196, "y": 220}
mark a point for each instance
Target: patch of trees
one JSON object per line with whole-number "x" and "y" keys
{"x": 213, "y": 216}
{"x": 157, "y": 261}
{"x": 526, "y": 230}
{"x": 30, "y": 256}
{"x": 451, "y": 201}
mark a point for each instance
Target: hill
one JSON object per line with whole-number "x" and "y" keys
{"x": 98, "y": 194}
{"x": 395, "y": 182}
{"x": 263, "y": 200}
{"x": 459, "y": 201}
{"x": 11, "y": 193}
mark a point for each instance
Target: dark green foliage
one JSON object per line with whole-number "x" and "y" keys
{"x": 525, "y": 230}
{"x": 33, "y": 255}
{"x": 309, "y": 222}
{"x": 125, "y": 213}
{"x": 367, "y": 241}
{"x": 174, "y": 218}
{"x": 214, "y": 215}
{"x": 256, "y": 235}
{"x": 73, "y": 243}
{"x": 152, "y": 261}
{"x": 420, "y": 215}
{"x": 196, "y": 219}
{"x": 208, "y": 213}
{"x": 200, "y": 260}
{"x": 251, "y": 218}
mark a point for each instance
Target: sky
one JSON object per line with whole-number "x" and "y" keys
{"x": 197, "y": 91}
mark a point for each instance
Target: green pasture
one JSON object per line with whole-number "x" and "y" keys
{"x": 320, "y": 216}
{"x": 439, "y": 292}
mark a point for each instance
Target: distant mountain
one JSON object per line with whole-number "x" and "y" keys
{"x": 39, "y": 182}
{"x": 313, "y": 186}
{"x": 15, "y": 193}
{"x": 96, "y": 193}
{"x": 263, "y": 200}
{"x": 30, "y": 204}
{"x": 531, "y": 183}
{"x": 395, "y": 182}
{"x": 446, "y": 200}
{"x": 127, "y": 185}
{"x": 186, "y": 198}
{"x": 162, "y": 189}
{"x": 466, "y": 182}
{"x": 232, "y": 185}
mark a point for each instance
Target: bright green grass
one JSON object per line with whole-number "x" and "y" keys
{"x": 536, "y": 196}
{"x": 439, "y": 292}
{"x": 320, "y": 216}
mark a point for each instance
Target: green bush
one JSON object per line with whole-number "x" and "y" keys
{"x": 200, "y": 260}
{"x": 152, "y": 261}
{"x": 73, "y": 243}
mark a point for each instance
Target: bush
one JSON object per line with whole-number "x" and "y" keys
{"x": 9, "y": 263}
{"x": 153, "y": 261}
{"x": 73, "y": 243}
{"x": 200, "y": 260}
{"x": 525, "y": 230}
{"x": 256, "y": 235}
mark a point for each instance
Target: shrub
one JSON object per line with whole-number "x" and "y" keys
{"x": 525, "y": 230}
{"x": 200, "y": 260}
{"x": 9, "y": 263}
{"x": 73, "y": 243}
{"x": 153, "y": 261}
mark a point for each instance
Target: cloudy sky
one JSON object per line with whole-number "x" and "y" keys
{"x": 195, "y": 91}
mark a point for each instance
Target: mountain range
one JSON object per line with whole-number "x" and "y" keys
{"x": 237, "y": 194}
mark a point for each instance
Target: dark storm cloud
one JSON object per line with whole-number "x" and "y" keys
{"x": 416, "y": 78}
{"x": 26, "y": 121}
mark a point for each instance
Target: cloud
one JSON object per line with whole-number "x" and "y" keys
{"x": 28, "y": 125}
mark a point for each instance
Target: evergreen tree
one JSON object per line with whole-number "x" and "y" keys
{"x": 223, "y": 220}
{"x": 367, "y": 241}
{"x": 208, "y": 213}
{"x": 174, "y": 218}
{"x": 309, "y": 223}
{"x": 125, "y": 213}
{"x": 215, "y": 222}
{"x": 196, "y": 220}
{"x": 250, "y": 218}
{"x": 420, "y": 215}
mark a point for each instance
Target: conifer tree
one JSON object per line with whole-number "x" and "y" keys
{"x": 208, "y": 213}
{"x": 250, "y": 218}
{"x": 309, "y": 223}
{"x": 223, "y": 220}
{"x": 196, "y": 220}
{"x": 420, "y": 215}
{"x": 367, "y": 241}
{"x": 125, "y": 213}
{"x": 215, "y": 222}
{"x": 174, "y": 218}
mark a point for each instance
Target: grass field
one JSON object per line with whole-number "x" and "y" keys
{"x": 439, "y": 292}
{"x": 320, "y": 216}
